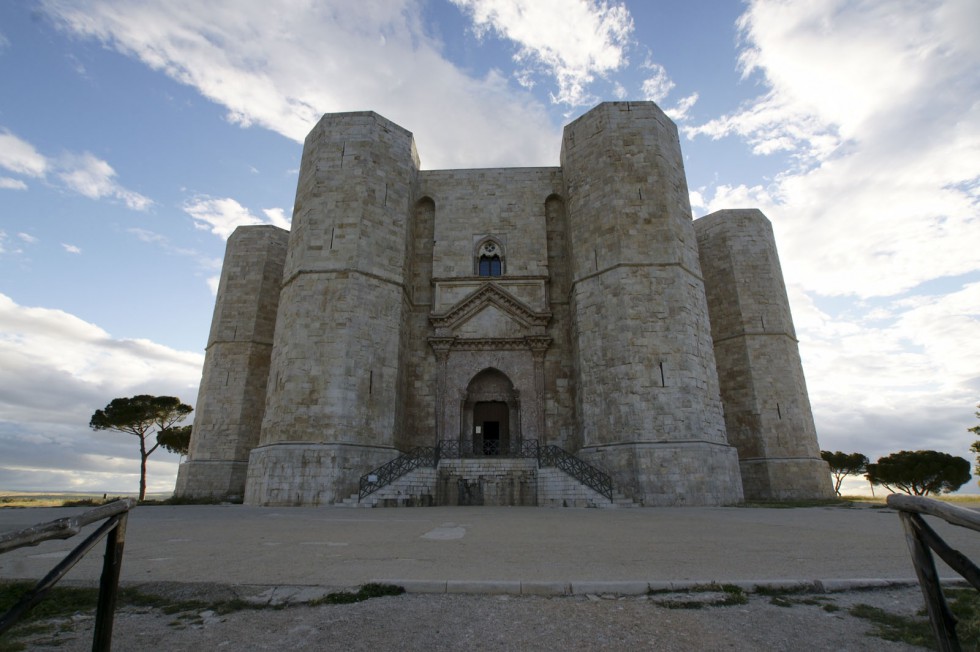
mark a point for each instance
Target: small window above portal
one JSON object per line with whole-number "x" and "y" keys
{"x": 490, "y": 259}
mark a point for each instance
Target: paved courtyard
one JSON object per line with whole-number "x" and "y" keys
{"x": 486, "y": 549}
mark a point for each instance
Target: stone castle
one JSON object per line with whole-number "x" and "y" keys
{"x": 476, "y": 311}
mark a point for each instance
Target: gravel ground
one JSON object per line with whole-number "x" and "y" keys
{"x": 456, "y": 622}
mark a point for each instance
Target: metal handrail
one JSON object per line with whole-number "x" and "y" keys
{"x": 922, "y": 541}
{"x": 116, "y": 515}
{"x": 579, "y": 469}
{"x": 396, "y": 468}
{"x": 551, "y": 455}
{"x": 456, "y": 449}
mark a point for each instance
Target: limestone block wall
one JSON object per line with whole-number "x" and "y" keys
{"x": 507, "y": 204}
{"x": 646, "y": 370}
{"x": 417, "y": 488}
{"x": 558, "y": 489}
{"x": 417, "y": 362}
{"x": 487, "y": 481}
{"x": 231, "y": 398}
{"x": 767, "y": 408}
{"x": 559, "y": 365}
{"x": 334, "y": 376}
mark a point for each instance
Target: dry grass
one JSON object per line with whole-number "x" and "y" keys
{"x": 15, "y": 499}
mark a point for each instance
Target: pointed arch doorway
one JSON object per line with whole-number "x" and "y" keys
{"x": 491, "y": 415}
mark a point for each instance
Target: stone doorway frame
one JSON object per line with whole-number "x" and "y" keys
{"x": 490, "y": 385}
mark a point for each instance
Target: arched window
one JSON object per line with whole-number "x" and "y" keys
{"x": 490, "y": 259}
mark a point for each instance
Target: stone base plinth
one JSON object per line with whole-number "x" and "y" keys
{"x": 309, "y": 474}
{"x": 487, "y": 481}
{"x": 678, "y": 473}
{"x": 800, "y": 478}
{"x": 207, "y": 479}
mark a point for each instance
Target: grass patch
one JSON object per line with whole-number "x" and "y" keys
{"x": 791, "y": 504}
{"x": 780, "y": 591}
{"x": 60, "y": 603}
{"x": 63, "y": 602}
{"x": 964, "y": 603}
{"x": 892, "y": 627}
{"x": 788, "y": 597}
{"x": 730, "y": 595}
{"x": 366, "y": 592}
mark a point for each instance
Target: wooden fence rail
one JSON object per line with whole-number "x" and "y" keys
{"x": 923, "y": 541}
{"x": 113, "y": 530}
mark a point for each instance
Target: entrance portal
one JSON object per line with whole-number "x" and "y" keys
{"x": 491, "y": 432}
{"x": 490, "y": 416}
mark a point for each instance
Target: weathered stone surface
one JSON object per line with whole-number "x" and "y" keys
{"x": 767, "y": 408}
{"x": 231, "y": 399}
{"x": 487, "y": 308}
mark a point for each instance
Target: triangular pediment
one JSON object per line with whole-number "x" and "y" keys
{"x": 495, "y": 308}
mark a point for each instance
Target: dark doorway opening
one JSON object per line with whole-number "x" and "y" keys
{"x": 491, "y": 432}
{"x": 491, "y": 438}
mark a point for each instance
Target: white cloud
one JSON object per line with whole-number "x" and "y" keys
{"x": 875, "y": 102}
{"x": 72, "y": 249}
{"x": 281, "y": 68}
{"x": 27, "y": 237}
{"x": 903, "y": 375}
{"x": 83, "y": 173}
{"x": 149, "y": 236}
{"x": 204, "y": 263}
{"x": 221, "y": 216}
{"x": 658, "y": 87}
{"x": 94, "y": 178}
{"x": 678, "y": 112}
{"x": 4, "y": 244}
{"x": 572, "y": 41}
{"x": 12, "y": 184}
{"x": 20, "y": 157}
{"x": 55, "y": 371}
{"x": 277, "y": 217}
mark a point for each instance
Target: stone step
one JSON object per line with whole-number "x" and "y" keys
{"x": 555, "y": 488}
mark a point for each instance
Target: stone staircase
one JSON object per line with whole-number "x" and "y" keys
{"x": 488, "y": 481}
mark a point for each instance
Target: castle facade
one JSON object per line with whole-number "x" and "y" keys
{"x": 576, "y": 306}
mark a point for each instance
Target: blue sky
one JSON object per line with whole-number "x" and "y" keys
{"x": 134, "y": 137}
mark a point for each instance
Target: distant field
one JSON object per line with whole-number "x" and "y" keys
{"x": 11, "y": 499}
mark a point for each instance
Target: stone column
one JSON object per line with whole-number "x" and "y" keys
{"x": 440, "y": 346}
{"x": 539, "y": 349}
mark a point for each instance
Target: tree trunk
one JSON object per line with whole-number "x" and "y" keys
{"x": 143, "y": 457}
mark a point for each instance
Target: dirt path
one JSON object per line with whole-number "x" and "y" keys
{"x": 457, "y": 622}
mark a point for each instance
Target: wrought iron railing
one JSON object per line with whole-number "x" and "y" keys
{"x": 396, "y": 468}
{"x": 546, "y": 456}
{"x": 922, "y": 541}
{"x": 113, "y": 530}
{"x": 582, "y": 471}
{"x": 456, "y": 449}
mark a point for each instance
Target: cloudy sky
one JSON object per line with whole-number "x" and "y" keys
{"x": 134, "y": 137}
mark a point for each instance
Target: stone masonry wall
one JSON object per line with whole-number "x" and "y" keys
{"x": 767, "y": 408}
{"x": 236, "y": 366}
{"x": 646, "y": 370}
{"x": 600, "y": 322}
{"x": 335, "y": 376}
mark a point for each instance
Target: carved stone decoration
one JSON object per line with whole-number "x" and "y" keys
{"x": 490, "y": 294}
